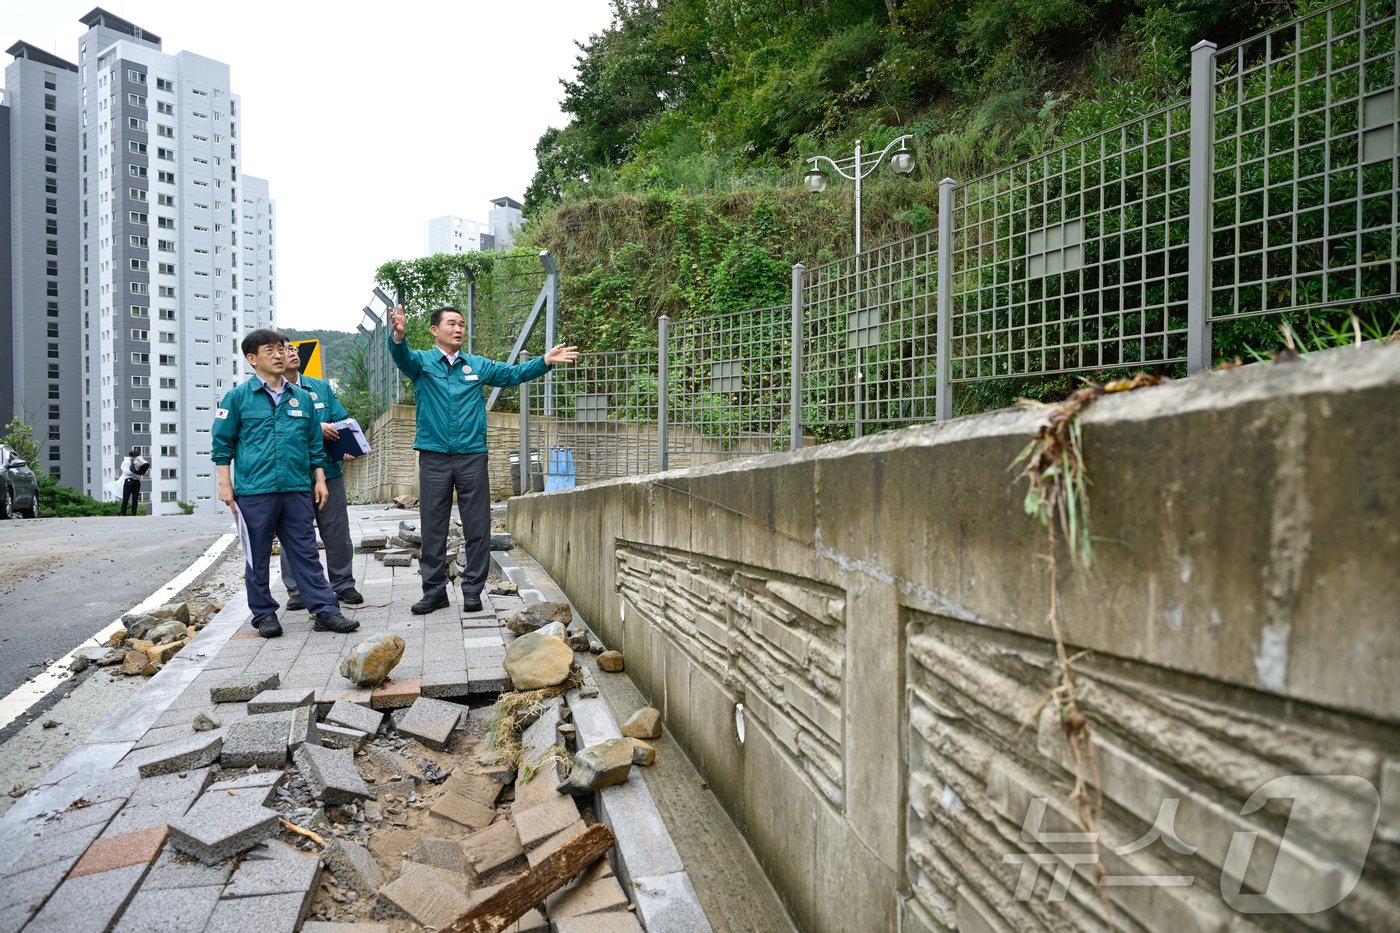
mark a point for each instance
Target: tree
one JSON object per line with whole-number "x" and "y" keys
{"x": 19, "y": 437}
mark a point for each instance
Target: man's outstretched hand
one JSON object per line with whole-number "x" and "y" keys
{"x": 561, "y": 354}
{"x": 397, "y": 318}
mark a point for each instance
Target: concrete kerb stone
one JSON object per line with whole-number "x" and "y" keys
{"x": 243, "y": 687}
{"x": 331, "y": 774}
{"x": 668, "y": 902}
{"x": 354, "y": 716}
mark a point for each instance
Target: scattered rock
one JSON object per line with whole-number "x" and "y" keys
{"x": 595, "y": 646}
{"x": 534, "y": 661}
{"x": 643, "y": 753}
{"x": 370, "y": 662}
{"x": 167, "y": 632}
{"x": 113, "y": 656}
{"x": 50, "y": 724}
{"x": 533, "y": 616}
{"x": 406, "y": 502}
{"x": 645, "y": 723}
{"x": 134, "y": 662}
{"x": 203, "y": 722}
{"x": 505, "y": 588}
{"x": 397, "y": 559}
{"x": 137, "y": 624}
{"x": 611, "y": 661}
{"x": 599, "y": 766}
{"x": 556, "y": 629}
{"x": 500, "y": 541}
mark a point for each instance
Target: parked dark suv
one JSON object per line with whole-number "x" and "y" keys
{"x": 19, "y": 490}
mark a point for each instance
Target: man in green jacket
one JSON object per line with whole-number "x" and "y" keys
{"x": 333, "y": 519}
{"x": 451, "y": 445}
{"x": 268, "y": 427}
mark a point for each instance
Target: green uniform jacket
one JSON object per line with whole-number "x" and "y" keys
{"x": 327, "y": 408}
{"x": 275, "y": 448}
{"x": 451, "y": 410}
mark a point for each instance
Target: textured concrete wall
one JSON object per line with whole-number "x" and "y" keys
{"x": 879, "y": 609}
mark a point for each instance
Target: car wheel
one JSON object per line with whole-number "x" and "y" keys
{"x": 7, "y": 504}
{"x": 33, "y": 510}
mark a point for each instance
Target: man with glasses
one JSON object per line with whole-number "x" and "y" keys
{"x": 267, "y": 427}
{"x": 333, "y": 519}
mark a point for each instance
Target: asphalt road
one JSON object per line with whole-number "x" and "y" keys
{"x": 63, "y": 579}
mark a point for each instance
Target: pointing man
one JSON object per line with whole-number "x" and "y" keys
{"x": 451, "y": 445}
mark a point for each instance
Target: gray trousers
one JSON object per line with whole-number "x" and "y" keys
{"x": 438, "y": 475}
{"x": 334, "y": 522}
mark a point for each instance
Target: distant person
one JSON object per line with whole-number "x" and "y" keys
{"x": 333, "y": 518}
{"x": 134, "y": 467}
{"x": 451, "y": 445}
{"x": 267, "y": 426}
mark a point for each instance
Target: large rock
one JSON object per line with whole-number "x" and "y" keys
{"x": 599, "y": 766}
{"x": 611, "y": 661}
{"x": 167, "y": 632}
{"x": 534, "y": 661}
{"x": 406, "y": 502}
{"x": 645, "y": 723}
{"x": 533, "y": 616}
{"x": 369, "y": 662}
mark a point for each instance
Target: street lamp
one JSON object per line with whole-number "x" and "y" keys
{"x": 856, "y": 168}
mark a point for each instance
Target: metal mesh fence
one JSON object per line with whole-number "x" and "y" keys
{"x": 604, "y": 419}
{"x": 1075, "y": 259}
{"x": 1307, "y": 163}
{"x": 729, "y": 384}
{"x": 869, "y": 335}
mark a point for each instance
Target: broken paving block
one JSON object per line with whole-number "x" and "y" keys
{"x": 490, "y": 848}
{"x": 274, "y": 868}
{"x": 260, "y": 786}
{"x": 248, "y": 744}
{"x": 187, "y": 754}
{"x": 273, "y": 701}
{"x": 355, "y": 716}
{"x": 371, "y": 543}
{"x": 332, "y": 736}
{"x": 421, "y": 893}
{"x": 480, "y": 788}
{"x": 218, "y": 826}
{"x": 439, "y": 853}
{"x": 431, "y": 722}
{"x": 463, "y": 811}
{"x": 244, "y": 687}
{"x": 398, "y": 558}
{"x": 542, "y": 821}
{"x": 303, "y": 728}
{"x": 554, "y": 843}
{"x": 331, "y": 774}
{"x": 353, "y": 866}
{"x": 594, "y": 891}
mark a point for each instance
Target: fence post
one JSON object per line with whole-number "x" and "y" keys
{"x": 551, "y": 271}
{"x": 471, "y": 316}
{"x": 943, "y": 368}
{"x": 525, "y": 478}
{"x": 1199, "y": 245}
{"x": 799, "y": 274}
{"x": 663, "y": 394}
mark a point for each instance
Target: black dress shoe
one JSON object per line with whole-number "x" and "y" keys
{"x": 431, "y": 602}
{"x": 268, "y": 626}
{"x": 471, "y": 603}
{"x": 334, "y": 622}
{"x": 294, "y": 602}
{"x": 350, "y": 597}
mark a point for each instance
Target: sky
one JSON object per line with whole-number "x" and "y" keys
{"x": 367, "y": 121}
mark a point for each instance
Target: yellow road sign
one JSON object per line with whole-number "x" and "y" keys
{"x": 309, "y": 353}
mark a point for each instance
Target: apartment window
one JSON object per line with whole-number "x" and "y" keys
{"x": 138, "y": 265}
{"x": 53, "y": 370}
{"x": 165, "y": 177}
{"x": 169, "y": 338}
{"x": 51, "y": 248}
{"x": 139, "y": 242}
{"x": 167, "y": 268}
{"x": 50, "y": 164}
{"x": 52, "y": 267}
{"x": 141, "y": 359}
{"x": 136, "y": 171}
{"x": 140, "y": 427}
{"x": 167, "y": 404}
{"x": 136, "y": 147}
{"x": 167, "y": 382}
{"x": 140, "y": 404}
{"x": 54, "y": 433}
{"x": 135, "y": 77}
{"x": 53, "y": 413}
{"x": 140, "y": 382}
{"x": 167, "y": 428}
{"x": 167, "y": 131}
{"x": 167, "y": 360}
{"x": 137, "y": 334}
{"x": 53, "y": 351}
{"x": 138, "y": 218}
{"x": 166, "y": 154}
{"x": 167, "y": 495}
{"x": 140, "y": 288}
{"x": 165, "y": 246}
{"x": 165, "y": 200}
{"x": 51, "y": 102}
{"x": 50, "y": 205}
{"x": 51, "y": 124}
{"x": 53, "y": 329}
{"x": 50, "y": 81}
{"x": 169, "y": 452}
{"x": 136, "y": 100}
{"x": 50, "y": 144}
{"x": 164, "y": 84}
{"x": 165, "y": 223}
{"x": 163, "y": 107}
{"x": 136, "y": 123}
{"x": 167, "y": 314}
{"x": 51, "y": 185}
{"x": 202, "y": 139}
{"x": 167, "y": 291}
{"x": 137, "y": 194}
{"x": 168, "y": 473}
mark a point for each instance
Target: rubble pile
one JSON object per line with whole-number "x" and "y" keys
{"x": 147, "y": 641}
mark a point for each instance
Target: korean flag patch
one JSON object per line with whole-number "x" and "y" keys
{"x": 221, "y": 413}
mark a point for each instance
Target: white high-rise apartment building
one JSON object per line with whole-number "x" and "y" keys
{"x": 453, "y": 234}
{"x": 177, "y": 250}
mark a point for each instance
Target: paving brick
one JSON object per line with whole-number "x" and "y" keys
{"x": 531, "y": 922}
{"x": 444, "y": 684}
{"x": 139, "y": 847}
{"x": 331, "y": 774}
{"x": 354, "y": 716}
{"x": 218, "y": 826}
{"x": 340, "y": 737}
{"x": 273, "y": 868}
{"x": 617, "y": 921}
{"x": 538, "y": 741}
{"x": 553, "y": 843}
{"x": 303, "y": 728}
{"x": 253, "y": 743}
{"x": 488, "y": 680}
{"x": 271, "y": 912}
{"x": 51, "y": 848}
{"x": 184, "y": 755}
{"x": 533, "y": 792}
{"x": 393, "y": 762}
{"x": 439, "y": 853}
{"x": 259, "y": 786}
{"x": 400, "y": 786}
{"x": 594, "y": 891}
{"x": 25, "y": 892}
{"x": 490, "y": 848}
{"x": 321, "y": 926}
{"x": 171, "y": 910}
{"x": 353, "y": 866}
{"x": 272, "y": 701}
{"x": 540, "y": 822}
{"x": 326, "y": 697}
{"x": 432, "y": 722}
{"x": 464, "y": 812}
{"x": 396, "y": 694}
{"x": 158, "y": 800}
{"x": 479, "y": 788}
{"x": 420, "y": 893}
{"x": 89, "y": 903}
{"x": 243, "y": 687}
{"x": 177, "y": 870}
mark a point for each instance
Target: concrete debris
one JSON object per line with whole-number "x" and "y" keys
{"x": 331, "y": 774}
{"x": 203, "y": 722}
{"x": 244, "y": 687}
{"x": 406, "y": 502}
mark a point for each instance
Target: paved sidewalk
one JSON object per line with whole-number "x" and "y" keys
{"x": 86, "y": 850}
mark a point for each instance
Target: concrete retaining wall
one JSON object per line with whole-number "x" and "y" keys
{"x": 878, "y": 608}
